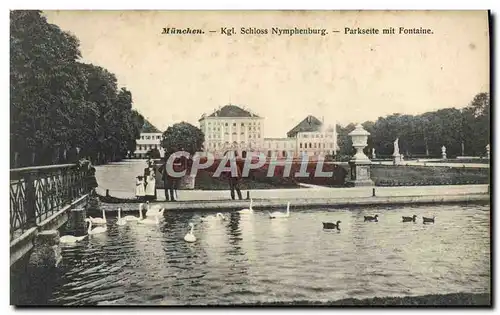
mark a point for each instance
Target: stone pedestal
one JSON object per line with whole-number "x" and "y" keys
{"x": 76, "y": 222}
{"x": 360, "y": 174}
{"x": 46, "y": 251}
{"x": 397, "y": 159}
{"x": 42, "y": 268}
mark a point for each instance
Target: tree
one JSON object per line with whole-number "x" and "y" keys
{"x": 59, "y": 104}
{"x": 182, "y": 137}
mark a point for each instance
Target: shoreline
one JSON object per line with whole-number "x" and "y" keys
{"x": 451, "y": 299}
{"x": 298, "y": 203}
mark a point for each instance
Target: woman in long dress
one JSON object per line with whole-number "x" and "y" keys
{"x": 139, "y": 188}
{"x": 151, "y": 185}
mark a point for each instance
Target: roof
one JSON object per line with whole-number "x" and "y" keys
{"x": 147, "y": 127}
{"x": 309, "y": 124}
{"x": 231, "y": 111}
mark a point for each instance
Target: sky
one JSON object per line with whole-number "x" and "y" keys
{"x": 339, "y": 77}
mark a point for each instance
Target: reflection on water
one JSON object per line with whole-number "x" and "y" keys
{"x": 250, "y": 258}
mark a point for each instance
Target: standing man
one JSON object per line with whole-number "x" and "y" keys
{"x": 234, "y": 179}
{"x": 168, "y": 181}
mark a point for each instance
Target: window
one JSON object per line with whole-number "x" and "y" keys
{"x": 310, "y": 145}
{"x": 324, "y": 145}
{"x": 242, "y": 124}
{"x": 234, "y": 124}
{"x": 315, "y": 145}
{"x": 242, "y": 133}
{"x": 226, "y": 124}
{"x": 259, "y": 135}
{"x": 300, "y": 145}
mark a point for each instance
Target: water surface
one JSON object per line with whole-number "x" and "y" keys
{"x": 251, "y": 258}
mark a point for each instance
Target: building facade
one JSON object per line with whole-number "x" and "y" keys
{"x": 232, "y": 128}
{"x": 150, "y": 138}
{"x": 311, "y": 137}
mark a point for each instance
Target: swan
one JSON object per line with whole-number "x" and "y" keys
{"x": 131, "y": 217}
{"x": 97, "y": 230}
{"x": 148, "y": 221}
{"x": 216, "y": 217}
{"x": 120, "y": 221}
{"x": 189, "y": 237}
{"x": 99, "y": 220}
{"x": 249, "y": 210}
{"x": 70, "y": 239}
{"x": 155, "y": 210}
{"x": 278, "y": 214}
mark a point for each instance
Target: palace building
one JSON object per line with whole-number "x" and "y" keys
{"x": 232, "y": 128}
{"x": 150, "y": 138}
{"x": 311, "y": 137}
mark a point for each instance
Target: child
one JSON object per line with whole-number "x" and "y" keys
{"x": 139, "y": 188}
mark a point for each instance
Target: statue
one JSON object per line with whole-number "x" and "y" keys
{"x": 443, "y": 152}
{"x": 374, "y": 156}
{"x": 488, "y": 151}
{"x": 396, "y": 147}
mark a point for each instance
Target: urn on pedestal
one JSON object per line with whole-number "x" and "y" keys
{"x": 359, "y": 163}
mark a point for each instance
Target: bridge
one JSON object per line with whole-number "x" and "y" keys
{"x": 41, "y": 198}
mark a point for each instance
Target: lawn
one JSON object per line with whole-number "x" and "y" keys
{"x": 382, "y": 175}
{"x": 388, "y": 175}
{"x": 258, "y": 179}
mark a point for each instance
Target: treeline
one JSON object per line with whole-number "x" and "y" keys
{"x": 60, "y": 108}
{"x": 462, "y": 132}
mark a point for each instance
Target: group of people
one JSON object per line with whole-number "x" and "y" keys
{"x": 146, "y": 184}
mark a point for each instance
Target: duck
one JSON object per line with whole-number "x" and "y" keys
{"x": 131, "y": 217}
{"x": 371, "y": 218}
{"x": 189, "y": 237}
{"x": 70, "y": 239}
{"x": 247, "y": 210}
{"x": 99, "y": 220}
{"x": 409, "y": 219}
{"x": 278, "y": 214}
{"x": 331, "y": 225}
{"x": 97, "y": 230}
{"x": 148, "y": 221}
{"x": 428, "y": 220}
{"x": 120, "y": 221}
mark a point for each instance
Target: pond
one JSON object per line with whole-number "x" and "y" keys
{"x": 251, "y": 258}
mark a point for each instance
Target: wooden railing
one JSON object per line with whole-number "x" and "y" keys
{"x": 38, "y": 192}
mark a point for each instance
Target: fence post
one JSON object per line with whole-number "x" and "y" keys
{"x": 30, "y": 199}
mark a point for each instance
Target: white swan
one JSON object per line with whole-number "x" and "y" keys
{"x": 69, "y": 239}
{"x": 148, "y": 221}
{"x": 154, "y": 211}
{"x": 131, "y": 217}
{"x": 278, "y": 214}
{"x": 120, "y": 221}
{"x": 213, "y": 218}
{"x": 97, "y": 230}
{"x": 189, "y": 237}
{"x": 249, "y": 210}
{"x": 99, "y": 220}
